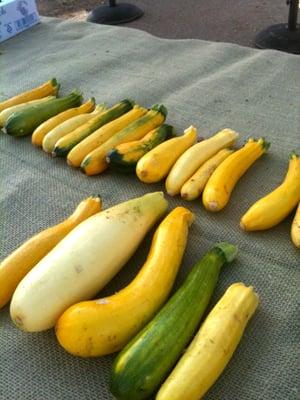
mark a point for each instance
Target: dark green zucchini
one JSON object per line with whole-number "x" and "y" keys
{"x": 66, "y": 143}
{"x": 125, "y": 156}
{"x": 24, "y": 122}
{"x": 146, "y": 361}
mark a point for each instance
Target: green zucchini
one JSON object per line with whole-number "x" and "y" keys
{"x": 24, "y": 122}
{"x": 66, "y": 143}
{"x": 146, "y": 361}
{"x": 125, "y": 156}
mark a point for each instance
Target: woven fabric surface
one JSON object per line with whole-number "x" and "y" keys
{"x": 209, "y": 85}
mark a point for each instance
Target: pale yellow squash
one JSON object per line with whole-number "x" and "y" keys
{"x": 195, "y": 185}
{"x": 188, "y": 163}
{"x": 83, "y": 262}
{"x": 295, "y": 229}
{"x": 212, "y": 347}
{"x": 68, "y": 126}
{"x": 14, "y": 267}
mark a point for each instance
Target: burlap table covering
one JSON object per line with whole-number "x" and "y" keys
{"x": 210, "y": 85}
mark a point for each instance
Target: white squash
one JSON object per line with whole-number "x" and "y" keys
{"x": 83, "y": 262}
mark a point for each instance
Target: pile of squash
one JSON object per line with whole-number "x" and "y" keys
{"x": 150, "y": 330}
{"x": 130, "y": 138}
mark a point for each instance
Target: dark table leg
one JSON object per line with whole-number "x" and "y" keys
{"x": 284, "y": 37}
{"x": 114, "y": 13}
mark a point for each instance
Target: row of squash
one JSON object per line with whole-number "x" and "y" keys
{"x": 52, "y": 278}
{"x": 130, "y": 138}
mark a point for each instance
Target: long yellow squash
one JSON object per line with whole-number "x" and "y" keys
{"x": 95, "y": 162}
{"x": 49, "y": 88}
{"x": 188, "y": 163}
{"x": 103, "y": 326}
{"x": 41, "y": 131}
{"x": 101, "y": 135}
{"x": 156, "y": 164}
{"x": 14, "y": 267}
{"x": 295, "y": 229}
{"x": 213, "y": 346}
{"x": 218, "y": 189}
{"x": 195, "y": 185}
{"x": 277, "y": 205}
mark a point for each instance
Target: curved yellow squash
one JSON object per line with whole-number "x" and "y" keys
{"x": 156, "y": 164}
{"x": 49, "y": 88}
{"x": 212, "y": 347}
{"x": 101, "y": 135}
{"x": 277, "y": 205}
{"x": 41, "y": 131}
{"x": 295, "y": 230}
{"x": 218, "y": 189}
{"x": 14, "y": 267}
{"x": 195, "y": 185}
{"x": 103, "y": 326}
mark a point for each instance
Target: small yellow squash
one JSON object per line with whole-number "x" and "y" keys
{"x": 213, "y": 346}
{"x": 101, "y": 135}
{"x": 188, "y": 163}
{"x": 277, "y": 205}
{"x": 218, "y": 189}
{"x": 195, "y": 185}
{"x": 49, "y": 88}
{"x": 41, "y": 131}
{"x": 156, "y": 164}
{"x": 14, "y": 267}
{"x": 103, "y": 326}
{"x": 295, "y": 230}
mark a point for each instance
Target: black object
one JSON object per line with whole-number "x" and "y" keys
{"x": 284, "y": 37}
{"x": 113, "y": 14}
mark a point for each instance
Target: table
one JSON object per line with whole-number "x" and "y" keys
{"x": 210, "y": 85}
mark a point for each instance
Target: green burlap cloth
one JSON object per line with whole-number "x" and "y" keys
{"x": 210, "y": 85}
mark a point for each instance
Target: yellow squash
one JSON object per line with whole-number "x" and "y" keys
{"x": 195, "y": 185}
{"x": 218, "y": 189}
{"x": 101, "y": 135}
{"x": 103, "y": 326}
{"x": 14, "y": 267}
{"x": 49, "y": 88}
{"x": 156, "y": 164}
{"x": 41, "y": 131}
{"x": 213, "y": 346}
{"x": 188, "y": 163}
{"x": 5, "y": 114}
{"x": 68, "y": 126}
{"x": 277, "y": 205}
{"x": 295, "y": 230}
